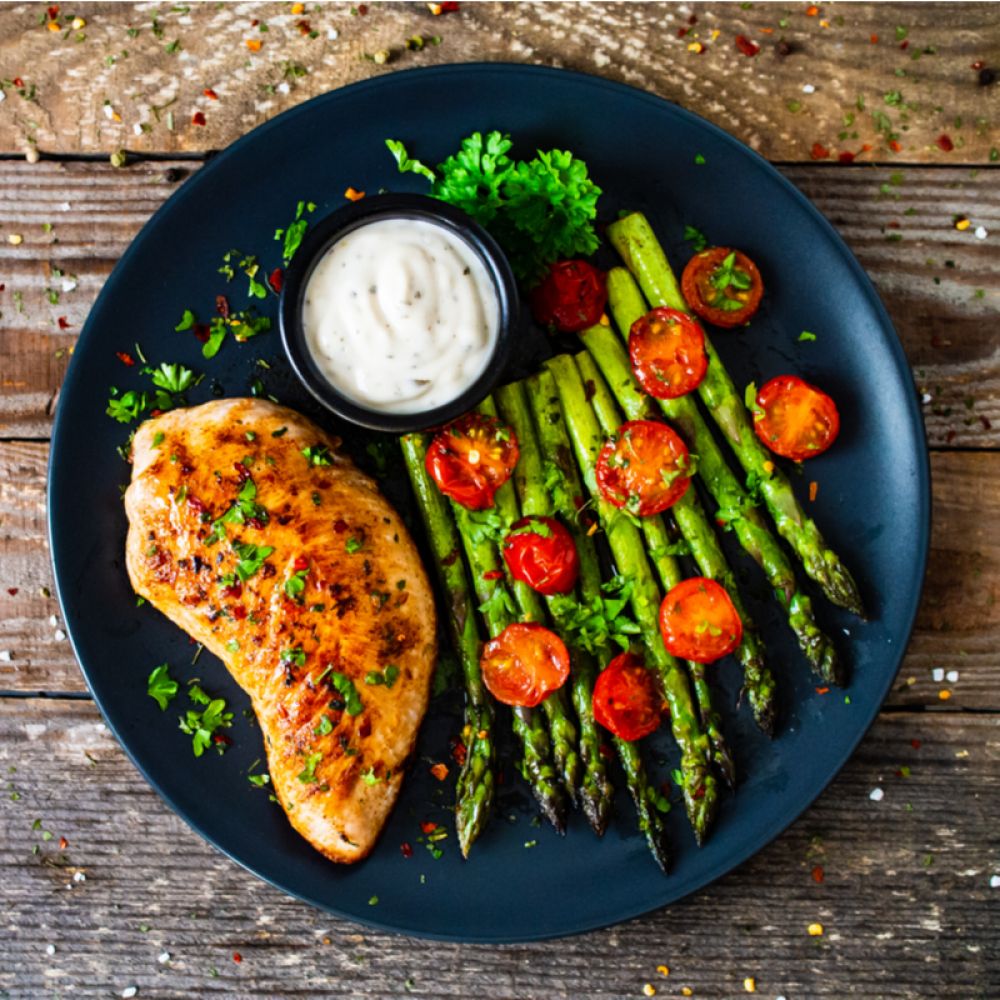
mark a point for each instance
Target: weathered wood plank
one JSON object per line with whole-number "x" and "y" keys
{"x": 905, "y": 901}
{"x": 958, "y": 627}
{"x": 95, "y": 89}
{"x": 78, "y": 218}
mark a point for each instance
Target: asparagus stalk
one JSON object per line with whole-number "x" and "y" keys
{"x": 696, "y": 529}
{"x": 566, "y": 493}
{"x": 698, "y": 781}
{"x": 474, "y": 791}
{"x": 633, "y": 238}
{"x": 530, "y": 608}
{"x": 735, "y": 506}
{"x": 529, "y": 482}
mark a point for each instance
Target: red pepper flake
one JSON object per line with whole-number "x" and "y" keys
{"x": 255, "y": 22}
{"x": 819, "y": 151}
{"x": 254, "y": 44}
{"x": 301, "y": 563}
{"x": 305, "y": 28}
{"x": 210, "y": 94}
{"x": 822, "y": 690}
{"x": 866, "y": 148}
{"x": 201, "y": 332}
{"x": 198, "y": 118}
{"x": 812, "y": 11}
{"x": 362, "y": 9}
{"x": 52, "y": 11}
{"x": 63, "y": 323}
{"x": 747, "y": 47}
{"x": 681, "y": 32}
{"x": 693, "y": 19}
{"x": 340, "y": 526}
{"x": 895, "y": 146}
{"x": 813, "y": 490}
{"x": 440, "y": 771}
{"x": 977, "y": 65}
{"x": 237, "y": 957}
{"x": 905, "y": 44}
{"x": 428, "y": 826}
{"x": 222, "y": 306}
{"x": 276, "y": 279}
{"x": 406, "y": 850}
{"x": 238, "y": 611}
{"x": 235, "y": 591}
{"x": 944, "y": 142}
{"x": 222, "y": 739}
{"x": 13, "y": 591}
{"x": 17, "y": 81}
{"x": 125, "y": 359}
{"x": 3, "y": 287}
{"x": 873, "y": 39}
{"x": 916, "y": 744}
{"x": 493, "y": 574}
{"x": 63, "y": 843}
{"x": 352, "y": 194}
{"x": 818, "y": 874}
{"x": 846, "y": 157}
{"x": 156, "y": 413}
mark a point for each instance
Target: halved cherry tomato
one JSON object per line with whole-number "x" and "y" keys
{"x": 643, "y": 468}
{"x": 472, "y": 458}
{"x": 571, "y": 297}
{"x": 524, "y": 664}
{"x": 722, "y": 286}
{"x": 626, "y": 699}
{"x": 540, "y": 552}
{"x": 698, "y": 621}
{"x": 667, "y": 348}
{"x": 794, "y": 418}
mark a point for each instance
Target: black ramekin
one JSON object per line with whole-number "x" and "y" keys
{"x": 322, "y": 235}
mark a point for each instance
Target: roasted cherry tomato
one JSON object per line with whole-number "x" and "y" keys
{"x": 794, "y": 418}
{"x": 523, "y": 664}
{"x": 540, "y": 552}
{"x": 571, "y": 297}
{"x": 667, "y": 348}
{"x": 643, "y": 468}
{"x": 472, "y": 458}
{"x": 626, "y": 699}
{"x": 698, "y": 621}
{"x": 722, "y": 286}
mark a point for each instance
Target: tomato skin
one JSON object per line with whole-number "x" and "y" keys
{"x": 472, "y": 458}
{"x": 795, "y": 419}
{"x": 667, "y": 350}
{"x": 632, "y": 465}
{"x": 626, "y": 700}
{"x": 705, "y": 299}
{"x": 524, "y": 664}
{"x": 571, "y": 297}
{"x": 545, "y": 558}
{"x": 698, "y": 621}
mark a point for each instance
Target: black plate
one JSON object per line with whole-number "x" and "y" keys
{"x": 873, "y": 501}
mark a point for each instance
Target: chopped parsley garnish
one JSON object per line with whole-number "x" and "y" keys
{"x": 308, "y": 773}
{"x": 126, "y": 407}
{"x": 173, "y": 378}
{"x": 325, "y": 726}
{"x": 161, "y": 687}
{"x": 388, "y": 676}
{"x": 251, "y": 558}
{"x": 486, "y": 525}
{"x": 295, "y": 585}
{"x": 601, "y": 620}
{"x": 345, "y": 687}
{"x": 369, "y": 777}
{"x": 318, "y": 454}
{"x": 354, "y": 545}
{"x": 259, "y": 780}
{"x": 187, "y": 321}
{"x": 727, "y": 275}
{"x": 294, "y": 655}
{"x": 696, "y": 238}
{"x": 158, "y": 439}
{"x": 245, "y": 509}
{"x": 498, "y": 603}
{"x": 291, "y": 235}
{"x": 806, "y": 335}
{"x": 202, "y": 726}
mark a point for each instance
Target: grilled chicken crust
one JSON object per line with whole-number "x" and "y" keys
{"x": 364, "y": 606}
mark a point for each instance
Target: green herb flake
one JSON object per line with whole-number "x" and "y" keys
{"x": 807, "y": 335}
{"x": 161, "y": 687}
{"x": 345, "y": 687}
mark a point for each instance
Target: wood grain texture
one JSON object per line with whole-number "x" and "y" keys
{"x": 905, "y": 901}
{"x": 958, "y": 627}
{"x": 941, "y": 285}
{"x": 175, "y": 54}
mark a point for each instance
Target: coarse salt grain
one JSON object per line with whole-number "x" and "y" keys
{"x": 15, "y": 239}
{"x": 283, "y": 88}
{"x": 951, "y": 676}
{"x": 926, "y": 398}
{"x": 163, "y": 957}
{"x": 876, "y": 795}
{"x": 79, "y": 877}
{"x": 332, "y": 34}
{"x": 59, "y": 635}
{"x": 69, "y": 284}
{"x": 937, "y": 674}
{"x": 6, "y": 655}
{"x": 53, "y": 621}
{"x": 995, "y": 881}
{"x": 981, "y": 233}
{"x": 808, "y": 89}
{"x": 129, "y": 992}
{"x": 50, "y": 949}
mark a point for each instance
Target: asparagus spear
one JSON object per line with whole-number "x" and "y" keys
{"x": 697, "y": 531}
{"x": 566, "y": 492}
{"x": 633, "y": 238}
{"x": 698, "y": 782}
{"x": 735, "y": 506}
{"x": 531, "y": 609}
{"x": 475, "y": 788}
{"x": 529, "y": 482}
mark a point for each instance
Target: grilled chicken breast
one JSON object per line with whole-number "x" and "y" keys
{"x": 250, "y": 531}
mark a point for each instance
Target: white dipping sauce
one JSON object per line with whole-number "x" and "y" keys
{"x": 401, "y": 315}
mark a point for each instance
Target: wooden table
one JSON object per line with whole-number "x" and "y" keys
{"x": 905, "y": 888}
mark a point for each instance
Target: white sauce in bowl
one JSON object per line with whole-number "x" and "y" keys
{"x": 401, "y": 315}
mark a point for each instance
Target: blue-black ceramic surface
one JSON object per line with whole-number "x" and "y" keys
{"x": 321, "y": 238}
{"x": 522, "y": 881}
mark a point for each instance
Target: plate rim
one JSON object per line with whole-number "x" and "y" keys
{"x": 628, "y": 92}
